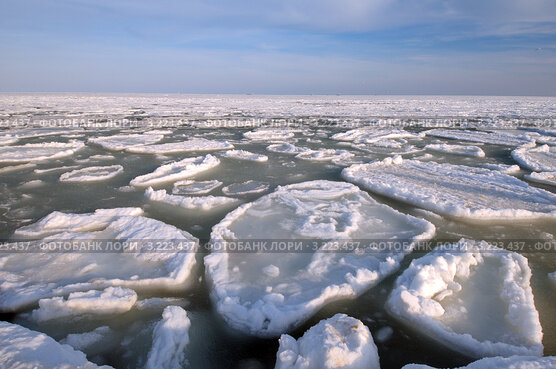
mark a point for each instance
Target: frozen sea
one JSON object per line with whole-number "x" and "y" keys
{"x": 255, "y": 168}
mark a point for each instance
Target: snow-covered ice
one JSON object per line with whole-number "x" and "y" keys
{"x": 189, "y": 202}
{"x": 338, "y": 342}
{"x": 325, "y": 154}
{"x": 82, "y": 341}
{"x": 371, "y": 135}
{"x": 457, "y": 150}
{"x": 504, "y": 168}
{"x": 112, "y": 300}
{"x": 190, "y": 187}
{"x": 24, "y": 280}
{"x": 194, "y": 144}
{"x": 301, "y": 282}
{"x": 494, "y": 138}
{"x": 21, "y": 348}
{"x": 539, "y": 159}
{"x": 286, "y": 148}
{"x": 245, "y": 188}
{"x": 548, "y": 178}
{"x": 92, "y": 174}
{"x": 454, "y": 190}
{"x": 269, "y": 134}
{"x": 123, "y": 142}
{"x": 472, "y": 297}
{"x": 38, "y": 151}
{"x": 176, "y": 170}
{"x": 170, "y": 337}
{"x": 512, "y": 362}
{"x": 244, "y": 155}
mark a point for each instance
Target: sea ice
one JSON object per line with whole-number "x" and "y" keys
{"x": 112, "y": 300}
{"x": 338, "y": 342}
{"x": 457, "y": 150}
{"x": 245, "y": 188}
{"x": 325, "y": 154}
{"x": 92, "y": 174}
{"x": 261, "y": 303}
{"x": 24, "y": 280}
{"x": 503, "y": 168}
{"x": 38, "y": 151}
{"x": 371, "y": 135}
{"x": 539, "y": 159}
{"x": 190, "y": 187}
{"x": 123, "y": 142}
{"x": 22, "y": 348}
{"x": 194, "y": 144}
{"x": 189, "y": 202}
{"x": 170, "y": 337}
{"x": 244, "y": 155}
{"x": 454, "y": 190}
{"x": 286, "y": 148}
{"x": 15, "y": 168}
{"x": 472, "y": 297}
{"x": 176, "y": 170}
{"x": 494, "y": 138}
{"x": 83, "y": 341}
{"x": 512, "y": 362}
{"x": 548, "y": 178}
{"x": 269, "y": 134}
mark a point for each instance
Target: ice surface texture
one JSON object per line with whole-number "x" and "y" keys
{"x": 123, "y": 142}
{"x": 268, "y": 301}
{"x": 494, "y": 138}
{"x": 92, "y": 174}
{"x": 194, "y": 144}
{"x": 457, "y": 150}
{"x": 176, "y": 170}
{"x": 454, "y": 190}
{"x": 38, "y": 151}
{"x": 548, "y": 178}
{"x": 24, "y": 280}
{"x": 338, "y": 342}
{"x": 540, "y": 159}
{"x": 170, "y": 337}
{"x": 513, "y": 362}
{"x": 189, "y": 202}
{"x": 244, "y": 155}
{"x": 190, "y": 187}
{"x": 472, "y": 297}
{"x": 22, "y": 348}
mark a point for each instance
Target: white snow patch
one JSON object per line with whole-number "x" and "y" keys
{"x": 38, "y": 151}
{"x": 269, "y": 134}
{"x": 123, "y": 142}
{"x": 463, "y": 150}
{"x": 338, "y": 342}
{"x": 14, "y": 168}
{"x": 92, "y": 174}
{"x": 548, "y": 178}
{"x": 83, "y": 341}
{"x": 244, "y": 155}
{"x": 286, "y": 148}
{"x": 204, "y": 203}
{"x": 245, "y": 188}
{"x": 194, "y": 144}
{"x": 504, "y": 168}
{"x": 325, "y": 154}
{"x": 512, "y": 362}
{"x": 170, "y": 337}
{"x": 373, "y": 135}
{"x": 494, "y": 138}
{"x": 190, "y": 187}
{"x": 539, "y": 159}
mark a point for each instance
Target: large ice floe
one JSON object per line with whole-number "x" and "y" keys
{"x": 539, "y": 159}
{"x": 123, "y": 142}
{"x": 548, "y": 178}
{"x": 25, "y": 279}
{"x": 194, "y": 144}
{"x": 176, "y": 170}
{"x": 371, "y": 135}
{"x": 472, "y": 297}
{"x": 22, "y": 348}
{"x": 494, "y": 138}
{"x": 463, "y": 150}
{"x": 189, "y": 202}
{"x": 269, "y": 134}
{"x": 454, "y": 190}
{"x": 38, "y": 151}
{"x": 170, "y": 337}
{"x": 112, "y": 300}
{"x": 512, "y": 362}
{"x": 190, "y": 187}
{"x": 244, "y": 155}
{"x": 92, "y": 174}
{"x": 286, "y": 148}
{"x": 325, "y": 154}
{"x": 245, "y": 188}
{"x": 338, "y": 342}
{"x": 268, "y": 293}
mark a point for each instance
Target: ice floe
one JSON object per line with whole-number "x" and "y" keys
{"x": 457, "y": 150}
{"x": 15, "y": 168}
{"x": 473, "y": 297}
{"x": 245, "y": 188}
{"x": 325, "y": 154}
{"x": 371, "y": 135}
{"x": 176, "y": 170}
{"x": 268, "y": 301}
{"x": 244, "y": 155}
{"x": 92, "y": 174}
{"x": 548, "y": 178}
{"x": 504, "y": 168}
{"x": 338, "y": 342}
{"x": 83, "y": 341}
{"x": 25, "y": 280}
{"x": 286, "y": 148}
{"x": 494, "y": 138}
{"x": 190, "y": 187}
{"x": 38, "y": 151}
{"x": 189, "y": 202}
{"x": 539, "y": 159}
{"x": 194, "y": 144}
{"x": 112, "y": 300}
{"x": 170, "y": 337}
{"x": 124, "y": 142}
{"x": 512, "y": 362}
{"x": 454, "y": 190}
{"x": 269, "y": 134}
{"x": 22, "y": 348}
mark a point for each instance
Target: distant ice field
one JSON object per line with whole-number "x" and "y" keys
{"x": 203, "y": 169}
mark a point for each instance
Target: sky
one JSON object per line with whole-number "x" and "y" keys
{"x": 430, "y": 47}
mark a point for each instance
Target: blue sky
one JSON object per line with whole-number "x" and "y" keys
{"x": 491, "y": 47}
